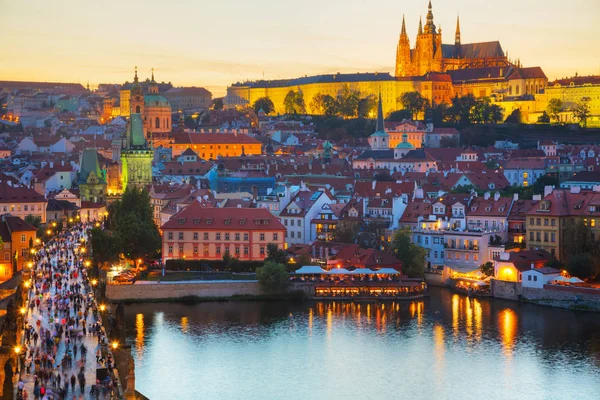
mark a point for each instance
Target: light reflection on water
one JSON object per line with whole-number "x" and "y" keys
{"x": 447, "y": 346}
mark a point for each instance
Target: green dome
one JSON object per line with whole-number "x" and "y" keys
{"x": 327, "y": 145}
{"x": 405, "y": 145}
{"x": 155, "y": 100}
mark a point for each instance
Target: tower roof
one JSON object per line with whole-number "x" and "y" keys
{"x": 403, "y": 33}
{"x": 420, "y": 26}
{"x": 429, "y": 26}
{"x": 89, "y": 164}
{"x": 457, "y": 35}
{"x": 135, "y": 132}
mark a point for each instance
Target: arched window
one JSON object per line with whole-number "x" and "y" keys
{"x": 157, "y": 123}
{"x": 517, "y": 90}
{"x": 510, "y": 90}
{"x": 137, "y": 109}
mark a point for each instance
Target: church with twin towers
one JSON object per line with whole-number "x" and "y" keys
{"x": 431, "y": 55}
{"x": 438, "y": 71}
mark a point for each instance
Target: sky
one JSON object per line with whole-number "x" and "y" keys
{"x": 216, "y": 43}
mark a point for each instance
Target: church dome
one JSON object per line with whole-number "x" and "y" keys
{"x": 405, "y": 145}
{"x": 155, "y": 100}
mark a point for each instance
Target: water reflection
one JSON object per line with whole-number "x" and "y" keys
{"x": 440, "y": 336}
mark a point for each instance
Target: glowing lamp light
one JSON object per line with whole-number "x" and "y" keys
{"x": 114, "y": 345}
{"x": 30, "y": 264}
{"x": 102, "y": 307}
{"x": 54, "y": 224}
{"x": 87, "y": 263}
{"x": 49, "y": 232}
{"x": 27, "y": 284}
{"x": 32, "y": 251}
{"x": 94, "y": 282}
{"x": 97, "y": 224}
{"x": 17, "y": 349}
{"x": 38, "y": 241}
{"x": 70, "y": 219}
{"x": 82, "y": 250}
{"x": 23, "y": 310}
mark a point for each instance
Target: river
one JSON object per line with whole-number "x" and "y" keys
{"x": 444, "y": 347}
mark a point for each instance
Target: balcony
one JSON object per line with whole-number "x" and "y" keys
{"x": 461, "y": 247}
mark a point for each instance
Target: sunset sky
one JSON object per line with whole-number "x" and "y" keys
{"x": 216, "y": 43}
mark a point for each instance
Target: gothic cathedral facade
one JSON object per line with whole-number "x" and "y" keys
{"x": 430, "y": 55}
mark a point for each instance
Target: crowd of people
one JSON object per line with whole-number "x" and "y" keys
{"x": 62, "y": 327}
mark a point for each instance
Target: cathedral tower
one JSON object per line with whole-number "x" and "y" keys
{"x": 403, "y": 60}
{"x": 137, "y": 96}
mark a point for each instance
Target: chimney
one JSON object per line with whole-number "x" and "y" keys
{"x": 62, "y": 163}
{"x": 596, "y": 188}
{"x": 486, "y": 196}
{"x": 516, "y": 197}
{"x": 548, "y": 190}
{"x": 51, "y": 164}
{"x": 536, "y": 197}
{"x": 373, "y": 184}
{"x": 532, "y": 266}
{"x": 496, "y": 196}
{"x": 575, "y": 189}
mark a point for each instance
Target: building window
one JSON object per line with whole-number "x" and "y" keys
{"x": 180, "y": 235}
{"x": 553, "y": 237}
{"x": 218, "y": 249}
{"x": 299, "y": 235}
{"x": 545, "y": 221}
{"x": 538, "y": 236}
{"x": 205, "y": 235}
{"x": 475, "y": 257}
{"x": 180, "y": 249}
{"x": 262, "y": 237}
{"x": 245, "y": 237}
{"x": 218, "y": 236}
{"x": 539, "y": 221}
{"x": 553, "y": 222}
{"x": 23, "y": 252}
{"x": 157, "y": 123}
{"x": 292, "y": 222}
{"x": 535, "y": 278}
{"x": 170, "y": 235}
{"x": 237, "y": 250}
{"x": 195, "y": 249}
{"x": 275, "y": 236}
{"x": 195, "y": 235}
{"x": 262, "y": 250}
{"x": 292, "y": 234}
{"x": 227, "y": 236}
{"x": 530, "y": 221}
{"x": 545, "y": 236}
{"x": 245, "y": 250}
{"x": 23, "y": 238}
{"x": 528, "y": 277}
{"x": 170, "y": 249}
{"x": 205, "y": 249}
{"x": 299, "y": 222}
{"x": 237, "y": 237}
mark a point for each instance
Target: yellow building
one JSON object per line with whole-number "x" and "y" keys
{"x": 439, "y": 72}
{"x": 212, "y": 145}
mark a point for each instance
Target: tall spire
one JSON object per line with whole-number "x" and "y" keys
{"x": 135, "y": 78}
{"x": 420, "y": 26}
{"x": 457, "y": 35}
{"x": 429, "y": 26}
{"x": 380, "y": 125}
{"x": 403, "y": 33}
{"x": 152, "y": 74}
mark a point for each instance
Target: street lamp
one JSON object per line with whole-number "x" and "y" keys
{"x": 23, "y": 310}
{"x": 102, "y": 307}
{"x": 32, "y": 251}
{"x": 94, "y": 282}
{"x": 49, "y": 232}
{"x": 114, "y": 345}
{"x": 27, "y": 284}
{"x": 30, "y": 264}
{"x": 87, "y": 263}
{"x": 54, "y": 224}
{"x": 38, "y": 241}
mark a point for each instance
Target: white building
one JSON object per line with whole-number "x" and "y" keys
{"x": 298, "y": 214}
{"x": 538, "y": 277}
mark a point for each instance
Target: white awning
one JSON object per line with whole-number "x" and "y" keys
{"x": 387, "y": 271}
{"x": 339, "y": 271}
{"x": 575, "y": 280}
{"x": 362, "y": 271}
{"x": 310, "y": 270}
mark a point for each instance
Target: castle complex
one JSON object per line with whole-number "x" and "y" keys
{"x": 436, "y": 70}
{"x": 430, "y": 55}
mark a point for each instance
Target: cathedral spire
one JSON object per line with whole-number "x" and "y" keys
{"x": 420, "y": 26}
{"x": 403, "y": 33}
{"x": 380, "y": 127}
{"x": 457, "y": 35}
{"x": 429, "y": 26}
{"x": 152, "y": 74}
{"x": 135, "y": 78}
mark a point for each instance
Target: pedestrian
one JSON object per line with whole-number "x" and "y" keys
{"x": 73, "y": 379}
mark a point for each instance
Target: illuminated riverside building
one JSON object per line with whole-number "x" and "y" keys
{"x": 200, "y": 232}
{"x": 437, "y": 71}
{"x": 213, "y": 145}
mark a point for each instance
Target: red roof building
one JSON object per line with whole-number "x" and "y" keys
{"x": 197, "y": 232}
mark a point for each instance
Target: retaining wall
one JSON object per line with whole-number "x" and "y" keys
{"x": 506, "y": 290}
{"x": 565, "y": 297}
{"x": 174, "y": 290}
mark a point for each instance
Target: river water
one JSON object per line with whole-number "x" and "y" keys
{"x": 445, "y": 347}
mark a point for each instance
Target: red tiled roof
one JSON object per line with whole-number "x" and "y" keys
{"x": 198, "y": 217}
{"x": 12, "y": 194}
{"x": 213, "y": 138}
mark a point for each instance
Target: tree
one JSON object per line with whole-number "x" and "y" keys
{"x": 34, "y": 220}
{"x": 582, "y": 112}
{"x": 317, "y": 105}
{"x": 367, "y": 106}
{"x": 411, "y": 255}
{"x": 544, "y": 118}
{"x": 555, "y": 106}
{"x": 289, "y": 102}
{"x": 461, "y": 109}
{"x": 106, "y": 245}
{"x": 272, "y": 277}
{"x": 217, "y": 103}
{"x": 514, "y": 117}
{"x": 399, "y": 115}
{"x": 414, "y": 103}
{"x": 487, "y": 268}
{"x": 275, "y": 254}
{"x": 347, "y": 101}
{"x": 583, "y": 266}
{"x": 131, "y": 218}
{"x": 581, "y": 250}
{"x": 265, "y": 103}
{"x": 491, "y": 163}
